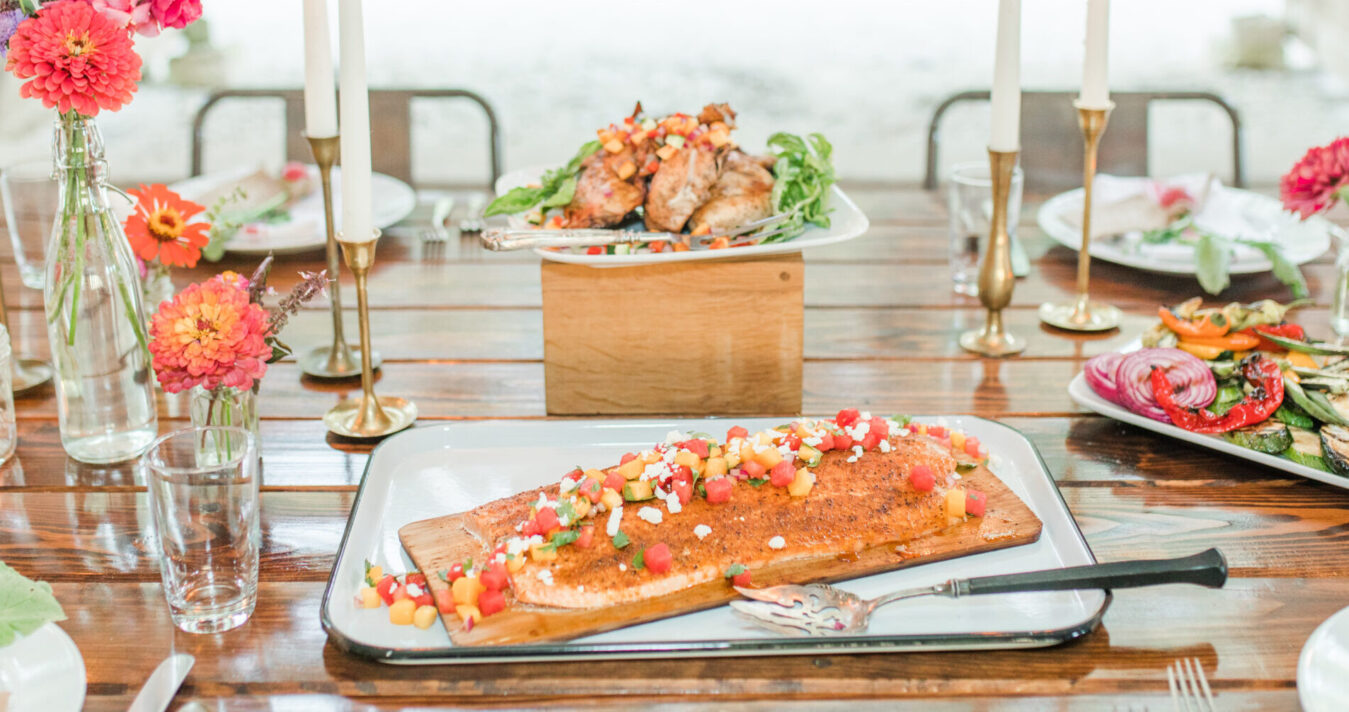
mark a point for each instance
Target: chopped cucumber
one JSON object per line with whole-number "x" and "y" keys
{"x": 638, "y": 491}
{"x": 676, "y": 140}
{"x": 1268, "y": 437}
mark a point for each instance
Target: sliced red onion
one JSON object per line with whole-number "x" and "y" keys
{"x": 1191, "y": 377}
{"x": 1100, "y": 374}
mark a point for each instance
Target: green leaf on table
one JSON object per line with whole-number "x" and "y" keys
{"x": 1212, "y": 259}
{"x": 1283, "y": 268}
{"x": 25, "y": 605}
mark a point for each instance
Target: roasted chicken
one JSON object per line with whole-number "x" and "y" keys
{"x": 742, "y": 194}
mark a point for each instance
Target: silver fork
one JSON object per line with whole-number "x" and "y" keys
{"x": 474, "y": 223}
{"x": 440, "y": 214}
{"x": 821, "y": 609}
{"x": 1189, "y": 687}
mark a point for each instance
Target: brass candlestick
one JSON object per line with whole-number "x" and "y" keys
{"x": 336, "y": 361}
{"x": 995, "y": 272}
{"x": 1084, "y": 314}
{"x": 25, "y": 373}
{"x": 368, "y": 416}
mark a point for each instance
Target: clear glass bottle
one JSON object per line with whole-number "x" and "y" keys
{"x": 9, "y": 437}
{"x": 1339, "y": 301}
{"x": 95, "y": 321}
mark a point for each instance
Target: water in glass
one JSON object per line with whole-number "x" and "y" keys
{"x": 970, "y": 204}
{"x": 203, "y": 485}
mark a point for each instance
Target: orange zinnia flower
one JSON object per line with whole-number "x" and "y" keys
{"x": 160, "y": 227}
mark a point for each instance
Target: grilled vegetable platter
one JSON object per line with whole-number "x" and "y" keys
{"x": 1242, "y": 372}
{"x": 682, "y": 174}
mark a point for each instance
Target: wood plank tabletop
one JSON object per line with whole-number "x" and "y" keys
{"x": 461, "y": 331}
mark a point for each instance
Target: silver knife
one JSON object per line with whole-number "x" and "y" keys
{"x": 500, "y": 239}
{"x": 163, "y": 684}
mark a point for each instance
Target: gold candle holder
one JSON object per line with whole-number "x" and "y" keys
{"x": 336, "y": 361}
{"x": 368, "y": 416}
{"x": 995, "y": 272}
{"x": 1083, "y": 314}
{"x": 25, "y": 373}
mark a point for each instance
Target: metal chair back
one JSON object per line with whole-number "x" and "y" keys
{"x": 390, "y": 125}
{"x": 1052, "y": 161}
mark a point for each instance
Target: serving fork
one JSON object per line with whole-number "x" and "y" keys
{"x": 820, "y": 609}
{"x": 1189, "y": 687}
{"x": 473, "y": 222}
{"x": 500, "y": 239}
{"x": 440, "y": 215}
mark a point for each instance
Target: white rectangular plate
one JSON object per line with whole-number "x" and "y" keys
{"x": 846, "y": 221}
{"x": 428, "y": 472}
{"x": 1080, "y": 392}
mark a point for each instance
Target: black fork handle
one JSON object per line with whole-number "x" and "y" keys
{"x": 1207, "y": 568}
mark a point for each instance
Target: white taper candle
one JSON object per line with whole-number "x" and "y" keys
{"x": 1095, "y": 89}
{"x": 355, "y": 144}
{"x": 320, "y": 94}
{"x": 1005, "y": 130}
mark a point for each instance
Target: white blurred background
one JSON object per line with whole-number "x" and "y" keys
{"x": 866, "y": 73}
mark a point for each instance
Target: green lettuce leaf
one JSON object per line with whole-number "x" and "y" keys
{"x": 556, "y": 188}
{"x": 1212, "y": 259}
{"x": 1283, "y": 268}
{"x": 25, "y": 605}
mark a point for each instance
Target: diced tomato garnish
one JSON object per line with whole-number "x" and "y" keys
{"x": 627, "y": 457}
{"x": 592, "y": 490}
{"x": 792, "y": 441}
{"x": 546, "y": 520}
{"x": 456, "y": 572}
{"x": 614, "y": 481}
{"x": 385, "y": 588}
{"x": 531, "y": 528}
{"x": 595, "y": 250}
{"x": 586, "y": 538}
{"x": 490, "y": 602}
{"x": 658, "y": 558}
{"x": 972, "y": 446}
{"x": 416, "y": 577}
{"x": 495, "y": 577}
{"x": 697, "y": 446}
{"x": 736, "y": 432}
{"x": 752, "y": 469}
{"x": 847, "y": 417}
{"x": 880, "y": 427}
{"x": 423, "y": 599}
{"x": 842, "y": 441}
{"x": 652, "y": 166}
{"x": 718, "y": 490}
{"x": 936, "y": 431}
{"x": 741, "y": 579}
{"x": 871, "y": 440}
{"x": 683, "y": 474}
{"x": 826, "y": 443}
{"x": 683, "y": 490}
{"x": 922, "y": 478}
{"x": 444, "y": 601}
{"x": 783, "y": 473}
{"x": 400, "y": 592}
{"x": 975, "y": 502}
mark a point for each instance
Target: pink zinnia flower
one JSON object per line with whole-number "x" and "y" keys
{"x": 1318, "y": 179}
{"x": 211, "y": 336}
{"x": 129, "y": 13}
{"x": 175, "y": 13}
{"x": 74, "y": 58}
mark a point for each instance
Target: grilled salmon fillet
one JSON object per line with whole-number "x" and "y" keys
{"x": 853, "y": 506}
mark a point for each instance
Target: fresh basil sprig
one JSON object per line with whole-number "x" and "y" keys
{"x": 555, "y": 189}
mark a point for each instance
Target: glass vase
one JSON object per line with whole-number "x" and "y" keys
{"x": 226, "y": 406}
{"x": 156, "y": 288}
{"x": 95, "y": 321}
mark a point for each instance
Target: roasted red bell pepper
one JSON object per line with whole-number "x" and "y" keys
{"x": 1266, "y": 396}
{"x": 1287, "y": 331}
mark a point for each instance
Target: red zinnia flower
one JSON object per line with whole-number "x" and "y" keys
{"x": 160, "y": 227}
{"x": 74, "y": 58}
{"x": 210, "y": 335}
{"x": 1316, "y": 181}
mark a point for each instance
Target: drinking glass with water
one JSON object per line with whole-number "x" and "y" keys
{"x": 971, "y": 212}
{"x": 203, "y": 484}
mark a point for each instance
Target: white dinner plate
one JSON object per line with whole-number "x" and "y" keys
{"x": 431, "y": 471}
{"x": 846, "y": 221}
{"x": 42, "y": 672}
{"x": 1262, "y": 216}
{"x": 1323, "y": 667}
{"x": 391, "y": 200}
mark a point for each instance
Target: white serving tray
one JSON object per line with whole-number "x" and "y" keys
{"x": 846, "y": 222}
{"x": 1080, "y": 392}
{"x": 431, "y": 471}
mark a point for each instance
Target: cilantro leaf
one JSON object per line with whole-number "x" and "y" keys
{"x": 621, "y": 540}
{"x": 25, "y": 605}
{"x": 756, "y": 481}
{"x": 639, "y": 561}
{"x": 735, "y": 570}
{"x": 565, "y": 537}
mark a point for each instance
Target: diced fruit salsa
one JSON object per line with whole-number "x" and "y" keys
{"x": 591, "y": 504}
{"x": 1244, "y": 372}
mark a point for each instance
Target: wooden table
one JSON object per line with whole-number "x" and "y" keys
{"x": 460, "y": 331}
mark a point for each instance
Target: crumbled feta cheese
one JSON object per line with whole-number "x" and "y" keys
{"x": 672, "y": 504}
{"x": 543, "y": 501}
{"x": 546, "y": 576}
{"x": 813, "y": 441}
{"x": 674, "y": 436}
{"x": 414, "y": 590}
{"x": 786, "y": 450}
{"x": 860, "y": 430}
{"x": 905, "y": 432}
{"x": 568, "y": 484}
{"x": 857, "y": 450}
{"x": 622, "y": 567}
{"x": 701, "y": 531}
{"x": 885, "y": 446}
{"x": 582, "y": 589}
{"x": 654, "y": 471}
{"x": 500, "y": 558}
{"x": 516, "y": 546}
{"x": 520, "y": 527}
{"x": 615, "y": 518}
{"x": 866, "y": 415}
{"x": 649, "y": 514}
{"x": 777, "y": 542}
{"x": 563, "y": 520}
{"x": 852, "y": 458}
{"x": 659, "y": 493}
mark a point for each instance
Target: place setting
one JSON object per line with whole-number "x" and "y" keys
{"x": 738, "y": 422}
